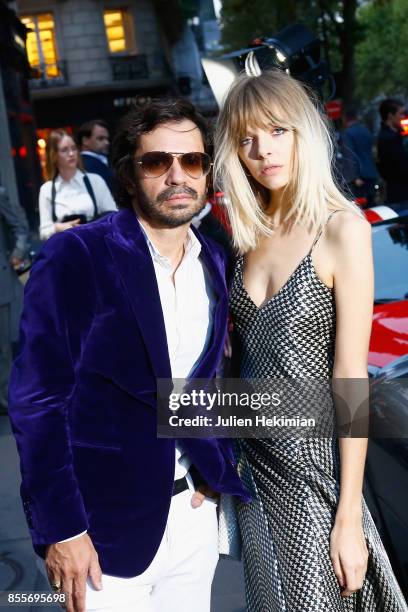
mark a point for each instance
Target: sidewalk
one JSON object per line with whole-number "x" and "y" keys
{"x": 18, "y": 571}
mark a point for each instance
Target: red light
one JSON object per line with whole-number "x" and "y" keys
{"x": 13, "y": 152}
{"x": 334, "y": 109}
{"x": 404, "y": 126}
{"x": 26, "y": 118}
{"x": 22, "y": 151}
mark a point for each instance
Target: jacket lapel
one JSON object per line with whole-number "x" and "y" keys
{"x": 130, "y": 252}
{"x": 215, "y": 267}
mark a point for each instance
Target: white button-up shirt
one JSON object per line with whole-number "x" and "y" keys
{"x": 72, "y": 198}
{"x": 188, "y": 305}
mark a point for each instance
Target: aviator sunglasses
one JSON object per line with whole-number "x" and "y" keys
{"x": 157, "y": 163}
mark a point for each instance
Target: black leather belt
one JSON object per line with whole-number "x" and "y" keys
{"x": 180, "y": 485}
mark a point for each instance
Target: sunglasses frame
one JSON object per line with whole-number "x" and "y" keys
{"x": 140, "y": 163}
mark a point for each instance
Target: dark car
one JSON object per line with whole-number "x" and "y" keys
{"x": 386, "y": 481}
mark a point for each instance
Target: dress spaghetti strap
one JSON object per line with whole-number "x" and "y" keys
{"x": 320, "y": 232}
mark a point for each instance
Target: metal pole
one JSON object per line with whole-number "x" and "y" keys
{"x": 7, "y": 170}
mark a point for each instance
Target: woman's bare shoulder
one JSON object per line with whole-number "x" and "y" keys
{"x": 347, "y": 227}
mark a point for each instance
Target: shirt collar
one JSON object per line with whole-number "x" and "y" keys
{"x": 192, "y": 248}
{"x": 77, "y": 178}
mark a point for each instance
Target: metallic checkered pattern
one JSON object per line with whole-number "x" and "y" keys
{"x": 295, "y": 482}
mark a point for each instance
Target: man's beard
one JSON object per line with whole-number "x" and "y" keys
{"x": 180, "y": 214}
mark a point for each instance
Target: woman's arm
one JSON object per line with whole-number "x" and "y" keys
{"x": 47, "y": 225}
{"x": 104, "y": 199}
{"x": 350, "y": 241}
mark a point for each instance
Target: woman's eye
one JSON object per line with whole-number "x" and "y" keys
{"x": 245, "y": 141}
{"x": 278, "y": 131}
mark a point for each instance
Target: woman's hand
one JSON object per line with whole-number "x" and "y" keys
{"x": 349, "y": 555}
{"x": 60, "y": 227}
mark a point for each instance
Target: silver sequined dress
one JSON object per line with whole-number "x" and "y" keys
{"x": 295, "y": 483}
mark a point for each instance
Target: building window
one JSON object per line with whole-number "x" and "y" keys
{"x": 119, "y": 31}
{"x": 41, "y": 47}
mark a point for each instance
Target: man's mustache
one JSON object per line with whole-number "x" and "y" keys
{"x": 171, "y": 191}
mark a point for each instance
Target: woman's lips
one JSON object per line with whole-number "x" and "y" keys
{"x": 270, "y": 170}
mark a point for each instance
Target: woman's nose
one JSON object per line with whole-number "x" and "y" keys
{"x": 265, "y": 147}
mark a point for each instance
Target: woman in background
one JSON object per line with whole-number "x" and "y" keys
{"x": 301, "y": 302}
{"x": 69, "y": 197}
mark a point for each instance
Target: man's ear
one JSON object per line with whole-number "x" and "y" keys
{"x": 131, "y": 188}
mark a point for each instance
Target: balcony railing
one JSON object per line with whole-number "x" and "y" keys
{"x": 129, "y": 67}
{"x": 48, "y": 75}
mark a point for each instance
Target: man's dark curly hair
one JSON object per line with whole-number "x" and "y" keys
{"x": 141, "y": 121}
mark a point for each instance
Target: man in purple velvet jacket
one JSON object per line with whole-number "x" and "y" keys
{"x": 109, "y": 308}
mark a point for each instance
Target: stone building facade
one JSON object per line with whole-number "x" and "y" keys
{"x": 92, "y": 57}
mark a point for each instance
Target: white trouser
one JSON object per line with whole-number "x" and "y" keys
{"x": 179, "y": 577}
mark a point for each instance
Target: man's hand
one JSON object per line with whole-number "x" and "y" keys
{"x": 15, "y": 262}
{"x": 69, "y": 564}
{"x": 201, "y": 493}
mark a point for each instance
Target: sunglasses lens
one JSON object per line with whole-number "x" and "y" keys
{"x": 196, "y": 165}
{"x": 156, "y": 163}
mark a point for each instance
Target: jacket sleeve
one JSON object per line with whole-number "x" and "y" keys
{"x": 57, "y": 316}
{"x": 16, "y": 220}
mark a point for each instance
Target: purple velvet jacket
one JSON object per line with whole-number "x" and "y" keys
{"x": 83, "y": 395}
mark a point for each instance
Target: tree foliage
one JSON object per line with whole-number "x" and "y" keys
{"x": 381, "y": 65}
{"x": 242, "y": 21}
{"x": 333, "y": 20}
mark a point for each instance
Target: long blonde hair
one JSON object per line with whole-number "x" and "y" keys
{"x": 51, "y": 153}
{"x": 275, "y": 98}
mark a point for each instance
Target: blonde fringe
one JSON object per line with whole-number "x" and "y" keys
{"x": 278, "y": 99}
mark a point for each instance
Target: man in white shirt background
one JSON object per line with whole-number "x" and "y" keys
{"x": 111, "y": 307}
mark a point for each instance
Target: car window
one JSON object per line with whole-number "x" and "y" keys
{"x": 390, "y": 247}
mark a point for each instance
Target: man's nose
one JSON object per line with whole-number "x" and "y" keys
{"x": 176, "y": 175}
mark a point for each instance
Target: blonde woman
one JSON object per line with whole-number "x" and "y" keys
{"x": 301, "y": 302}
{"x": 70, "y": 196}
